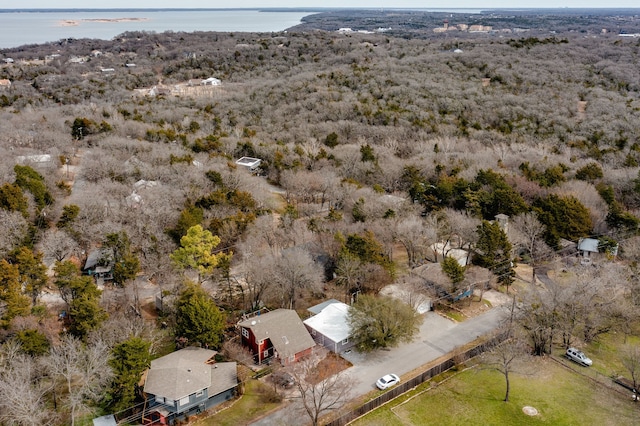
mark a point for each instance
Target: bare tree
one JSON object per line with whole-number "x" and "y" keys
{"x": 22, "y": 390}
{"x": 536, "y": 316}
{"x": 57, "y": 244}
{"x": 630, "y": 358}
{"x": 321, "y": 389}
{"x": 349, "y": 272}
{"x": 13, "y": 229}
{"x": 463, "y": 228}
{"x": 84, "y": 370}
{"x": 415, "y": 237}
{"x": 504, "y": 358}
{"x": 258, "y": 277}
{"x": 295, "y": 270}
{"x": 528, "y": 232}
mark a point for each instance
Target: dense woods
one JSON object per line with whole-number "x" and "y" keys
{"x": 374, "y": 147}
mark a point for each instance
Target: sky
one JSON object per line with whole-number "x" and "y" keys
{"x": 370, "y": 4}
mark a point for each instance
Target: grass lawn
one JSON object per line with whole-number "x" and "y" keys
{"x": 474, "y": 397}
{"x": 251, "y": 406}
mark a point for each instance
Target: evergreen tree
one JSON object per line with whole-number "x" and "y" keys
{"x": 494, "y": 251}
{"x": 368, "y": 249}
{"x": 13, "y": 200}
{"x": 64, "y": 274}
{"x": 129, "y": 360}
{"x": 454, "y": 271}
{"x": 30, "y": 180}
{"x": 33, "y": 342}
{"x": 125, "y": 264}
{"x": 33, "y": 273}
{"x": 85, "y": 311}
{"x": 198, "y": 318}
{"x": 69, "y": 214}
{"x": 564, "y": 217}
{"x": 196, "y": 251}
{"x": 16, "y": 304}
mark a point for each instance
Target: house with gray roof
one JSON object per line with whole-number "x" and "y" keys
{"x": 185, "y": 382}
{"x": 99, "y": 264}
{"x": 278, "y": 334}
{"x": 593, "y": 249}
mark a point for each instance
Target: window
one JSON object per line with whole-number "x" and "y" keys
{"x": 245, "y": 333}
{"x": 313, "y": 332}
{"x": 184, "y": 401}
{"x": 265, "y": 354}
{"x": 168, "y": 401}
{"x": 199, "y": 394}
{"x": 160, "y": 399}
{"x": 345, "y": 341}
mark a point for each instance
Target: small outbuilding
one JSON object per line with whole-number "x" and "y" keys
{"x": 330, "y": 326}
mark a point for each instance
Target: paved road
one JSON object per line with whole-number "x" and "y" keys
{"x": 437, "y": 337}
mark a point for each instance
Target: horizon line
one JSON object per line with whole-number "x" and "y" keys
{"x": 312, "y": 8}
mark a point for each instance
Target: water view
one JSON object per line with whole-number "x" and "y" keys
{"x": 19, "y": 28}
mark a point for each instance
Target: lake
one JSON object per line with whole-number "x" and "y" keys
{"x": 34, "y": 27}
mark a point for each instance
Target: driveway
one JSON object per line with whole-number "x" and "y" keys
{"x": 438, "y": 336}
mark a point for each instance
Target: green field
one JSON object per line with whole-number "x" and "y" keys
{"x": 474, "y": 397}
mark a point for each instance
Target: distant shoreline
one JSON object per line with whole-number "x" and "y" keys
{"x": 76, "y": 22}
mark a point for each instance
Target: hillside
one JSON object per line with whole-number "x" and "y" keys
{"x": 375, "y": 144}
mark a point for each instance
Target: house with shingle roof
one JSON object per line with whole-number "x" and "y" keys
{"x": 278, "y": 334}
{"x": 185, "y": 382}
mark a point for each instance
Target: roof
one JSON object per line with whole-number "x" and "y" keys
{"x": 332, "y": 322}
{"x": 249, "y": 162}
{"x": 40, "y": 158}
{"x": 284, "y": 328}
{"x": 320, "y": 306}
{"x": 588, "y": 244}
{"x": 211, "y": 80}
{"x": 180, "y": 373}
{"x": 142, "y": 184}
{"x": 224, "y": 376}
{"x": 108, "y": 420}
{"x": 95, "y": 256}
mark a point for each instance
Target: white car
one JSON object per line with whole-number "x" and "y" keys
{"x": 578, "y": 356}
{"x": 387, "y": 381}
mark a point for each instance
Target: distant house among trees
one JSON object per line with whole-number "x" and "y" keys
{"x": 99, "y": 264}
{"x": 186, "y": 382}
{"x": 329, "y": 327}
{"x": 591, "y": 249}
{"x": 249, "y": 163}
{"x": 211, "y": 81}
{"x": 278, "y": 334}
{"x": 42, "y": 160}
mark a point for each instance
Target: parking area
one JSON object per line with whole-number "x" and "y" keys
{"x": 438, "y": 336}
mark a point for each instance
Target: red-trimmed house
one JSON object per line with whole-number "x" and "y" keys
{"x": 278, "y": 334}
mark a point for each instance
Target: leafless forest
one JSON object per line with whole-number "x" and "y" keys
{"x": 374, "y": 147}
